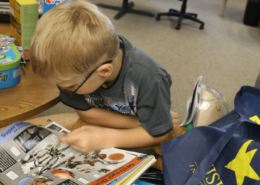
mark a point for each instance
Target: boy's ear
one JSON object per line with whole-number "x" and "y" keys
{"x": 105, "y": 70}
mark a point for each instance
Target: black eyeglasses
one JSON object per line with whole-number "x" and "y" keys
{"x": 70, "y": 93}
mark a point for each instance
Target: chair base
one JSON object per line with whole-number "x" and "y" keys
{"x": 126, "y": 8}
{"x": 176, "y": 13}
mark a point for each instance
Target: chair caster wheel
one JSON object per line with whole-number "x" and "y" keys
{"x": 202, "y": 26}
{"x": 177, "y": 27}
{"x": 157, "y": 18}
{"x": 194, "y": 15}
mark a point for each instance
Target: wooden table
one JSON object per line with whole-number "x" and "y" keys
{"x": 67, "y": 120}
{"x": 29, "y": 97}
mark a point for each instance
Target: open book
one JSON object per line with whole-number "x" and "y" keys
{"x": 33, "y": 155}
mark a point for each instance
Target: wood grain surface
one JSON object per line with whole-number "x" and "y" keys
{"x": 67, "y": 120}
{"x": 31, "y": 96}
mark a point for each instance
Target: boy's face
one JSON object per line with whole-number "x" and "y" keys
{"x": 87, "y": 82}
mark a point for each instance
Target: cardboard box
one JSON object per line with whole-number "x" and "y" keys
{"x": 23, "y": 20}
{"x": 49, "y": 4}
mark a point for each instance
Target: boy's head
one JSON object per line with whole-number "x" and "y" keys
{"x": 70, "y": 40}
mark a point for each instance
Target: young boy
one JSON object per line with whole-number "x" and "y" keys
{"x": 109, "y": 82}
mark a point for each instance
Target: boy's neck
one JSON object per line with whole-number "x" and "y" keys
{"x": 117, "y": 67}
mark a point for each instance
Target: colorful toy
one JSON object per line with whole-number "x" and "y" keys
{"x": 10, "y": 59}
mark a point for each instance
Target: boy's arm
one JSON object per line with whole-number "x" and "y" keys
{"x": 112, "y": 119}
{"x": 108, "y": 118}
{"x": 90, "y": 138}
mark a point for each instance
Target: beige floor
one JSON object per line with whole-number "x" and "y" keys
{"x": 226, "y": 53}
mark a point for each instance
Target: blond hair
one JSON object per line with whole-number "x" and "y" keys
{"x": 69, "y": 39}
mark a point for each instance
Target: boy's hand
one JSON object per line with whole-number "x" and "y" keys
{"x": 177, "y": 130}
{"x": 175, "y": 118}
{"x": 90, "y": 138}
{"x": 87, "y": 139}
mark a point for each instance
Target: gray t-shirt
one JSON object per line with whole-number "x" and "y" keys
{"x": 142, "y": 89}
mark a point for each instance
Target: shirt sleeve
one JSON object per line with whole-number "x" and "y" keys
{"x": 77, "y": 102}
{"x": 153, "y": 106}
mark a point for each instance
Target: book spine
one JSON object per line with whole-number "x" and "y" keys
{"x": 118, "y": 172}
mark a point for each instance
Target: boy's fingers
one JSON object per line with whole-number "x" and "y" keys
{"x": 175, "y": 121}
{"x": 73, "y": 134}
{"x": 72, "y": 141}
{"x": 76, "y": 148}
{"x": 68, "y": 139}
{"x": 77, "y": 130}
{"x": 174, "y": 115}
{"x": 63, "y": 139}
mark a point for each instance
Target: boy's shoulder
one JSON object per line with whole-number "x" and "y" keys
{"x": 140, "y": 63}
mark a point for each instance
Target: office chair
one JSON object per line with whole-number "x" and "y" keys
{"x": 182, "y": 15}
{"x": 126, "y": 7}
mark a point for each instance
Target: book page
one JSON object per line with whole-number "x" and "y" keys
{"x": 31, "y": 154}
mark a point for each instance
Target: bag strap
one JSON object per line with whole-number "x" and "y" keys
{"x": 214, "y": 153}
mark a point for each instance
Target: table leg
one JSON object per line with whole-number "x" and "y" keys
{"x": 222, "y": 9}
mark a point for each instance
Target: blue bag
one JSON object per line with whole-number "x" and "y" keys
{"x": 226, "y": 152}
